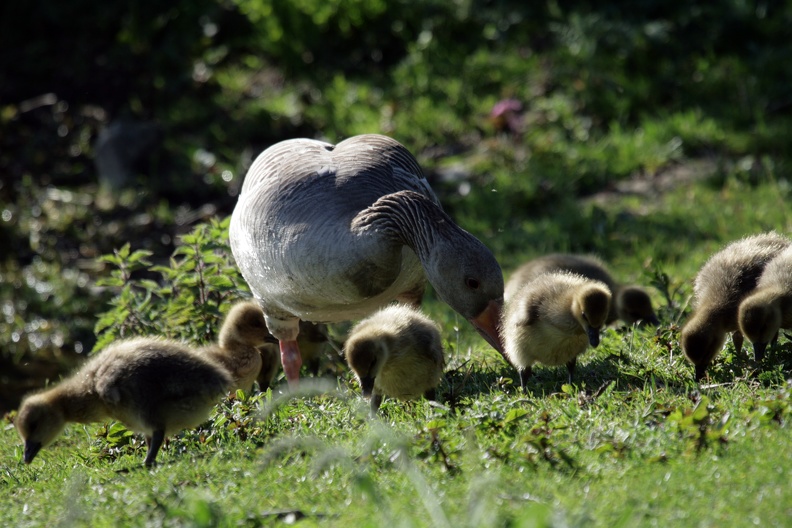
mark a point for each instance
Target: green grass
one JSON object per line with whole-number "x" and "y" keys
{"x": 633, "y": 442}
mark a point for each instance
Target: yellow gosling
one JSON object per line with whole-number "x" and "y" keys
{"x": 396, "y": 352}
{"x": 552, "y": 319}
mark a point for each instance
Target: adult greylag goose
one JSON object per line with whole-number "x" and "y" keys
{"x": 721, "y": 285}
{"x": 396, "y": 352}
{"x": 329, "y": 233}
{"x": 631, "y": 304}
{"x": 552, "y": 319}
{"x": 154, "y": 386}
{"x": 768, "y": 308}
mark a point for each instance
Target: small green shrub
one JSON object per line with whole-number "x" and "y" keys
{"x": 195, "y": 289}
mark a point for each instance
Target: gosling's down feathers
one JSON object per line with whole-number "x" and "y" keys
{"x": 769, "y": 307}
{"x": 552, "y": 319}
{"x": 631, "y": 304}
{"x": 241, "y": 333}
{"x": 330, "y": 233}
{"x": 154, "y": 386}
{"x": 396, "y": 352}
{"x": 721, "y": 284}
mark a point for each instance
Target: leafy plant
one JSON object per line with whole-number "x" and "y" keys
{"x": 194, "y": 291}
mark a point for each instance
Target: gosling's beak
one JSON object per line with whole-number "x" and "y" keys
{"x": 593, "y": 336}
{"x": 31, "y": 450}
{"x": 486, "y": 323}
{"x": 759, "y": 351}
{"x": 700, "y": 371}
{"x": 367, "y": 385}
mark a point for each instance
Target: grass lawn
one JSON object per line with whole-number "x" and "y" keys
{"x": 633, "y": 442}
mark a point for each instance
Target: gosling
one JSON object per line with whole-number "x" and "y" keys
{"x": 769, "y": 308}
{"x": 552, "y": 319}
{"x": 242, "y": 332}
{"x": 721, "y": 284}
{"x": 631, "y": 304}
{"x": 396, "y": 352}
{"x": 154, "y": 386}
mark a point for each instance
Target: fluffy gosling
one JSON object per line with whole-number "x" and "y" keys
{"x": 242, "y": 331}
{"x": 721, "y": 284}
{"x": 154, "y": 386}
{"x": 631, "y": 304}
{"x": 396, "y": 352}
{"x": 768, "y": 308}
{"x": 552, "y": 319}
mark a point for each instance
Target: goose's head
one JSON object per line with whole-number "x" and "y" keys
{"x": 38, "y": 422}
{"x": 633, "y": 305}
{"x": 466, "y": 276}
{"x": 245, "y": 324}
{"x": 366, "y": 355}
{"x": 590, "y": 307}
{"x": 463, "y": 272}
{"x": 701, "y": 341}
{"x": 759, "y": 319}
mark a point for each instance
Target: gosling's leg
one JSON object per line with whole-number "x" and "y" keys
{"x": 571, "y": 368}
{"x": 759, "y": 351}
{"x": 154, "y": 443}
{"x": 737, "y": 339}
{"x": 525, "y": 375}
{"x": 313, "y": 366}
{"x": 376, "y": 401}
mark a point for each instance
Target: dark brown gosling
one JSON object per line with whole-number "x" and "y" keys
{"x": 768, "y": 309}
{"x": 154, "y": 386}
{"x": 720, "y": 286}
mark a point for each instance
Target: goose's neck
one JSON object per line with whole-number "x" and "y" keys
{"x": 240, "y": 359}
{"x": 78, "y": 403}
{"x": 408, "y": 218}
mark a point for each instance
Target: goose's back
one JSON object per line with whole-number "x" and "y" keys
{"x": 290, "y": 231}
{"x": 734, "y": 271}
{"x": 778, "y": 272}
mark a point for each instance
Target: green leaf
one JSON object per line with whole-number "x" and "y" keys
{"x": 515, "y": 414}
{"x": 219, "y": 281}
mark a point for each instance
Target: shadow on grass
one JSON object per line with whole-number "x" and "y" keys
{"x": 730, "y": 367}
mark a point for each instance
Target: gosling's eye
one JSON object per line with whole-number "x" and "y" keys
{"x": 472, "y": 283}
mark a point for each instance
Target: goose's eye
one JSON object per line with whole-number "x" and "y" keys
{"x": 472, "y": 283}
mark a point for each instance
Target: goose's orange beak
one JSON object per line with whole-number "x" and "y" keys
{"x": 487, "y": 323}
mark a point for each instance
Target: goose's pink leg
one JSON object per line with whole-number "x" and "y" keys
{"x": 292, "y": 361}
